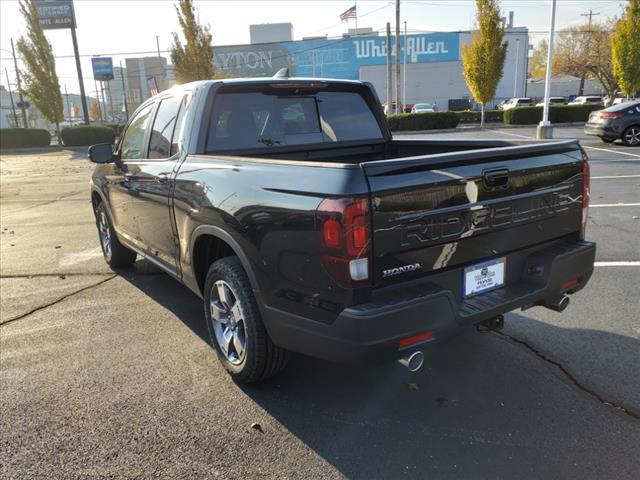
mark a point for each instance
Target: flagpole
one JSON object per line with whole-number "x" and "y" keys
{"x": 356, "y": 5}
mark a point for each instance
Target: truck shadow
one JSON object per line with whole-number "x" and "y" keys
{"x": 482, "y": 407}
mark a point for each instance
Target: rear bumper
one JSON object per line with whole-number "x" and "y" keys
{"x": 601, "y": 130}
{"x": 371, "y": 332}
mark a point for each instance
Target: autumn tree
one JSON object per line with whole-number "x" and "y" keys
{"x": 538, "y": 62}
{"x": 94, "y": 111}
{"x": 41, "y": 80}
{"x": 483, "y": 59}
{"x": 193, "y": 60}
{"x": 625, "y": 49}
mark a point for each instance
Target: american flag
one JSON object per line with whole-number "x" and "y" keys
{"x": 351, "y": 13}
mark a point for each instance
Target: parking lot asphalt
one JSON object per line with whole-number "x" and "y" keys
{"x": 110, "y": 375}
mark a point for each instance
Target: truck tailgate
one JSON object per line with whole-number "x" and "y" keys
{"x": 441, "y": 211}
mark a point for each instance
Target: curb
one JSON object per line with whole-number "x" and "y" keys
{"x": 474, "y": 128}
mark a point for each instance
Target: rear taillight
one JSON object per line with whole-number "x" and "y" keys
{"x": 610, "y": 115}
{"x": 585, "y": 194}
{"x": 344, "y": 226}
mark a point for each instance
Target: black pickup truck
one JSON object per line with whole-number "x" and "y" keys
{"x": 289, "y": 208}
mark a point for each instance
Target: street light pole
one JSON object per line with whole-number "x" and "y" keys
{"x": 545, "y": 130}
{"x": 124, "y": 92}
{"x": 404, "y": 68}
{"x": 13, "y": 107}
{"x": 515, "y": 77}
{"x": 66, "y": 96}
{"x": 21, "y": 104}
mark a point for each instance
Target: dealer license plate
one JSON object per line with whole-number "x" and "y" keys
{"x": 483, "y": 277}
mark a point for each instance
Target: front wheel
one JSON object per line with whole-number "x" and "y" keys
{"x": 235, "y": 325}
{"x": 607, "y": 140}
{"x": 115, "y": 254}
{"x": 631, "y": 136}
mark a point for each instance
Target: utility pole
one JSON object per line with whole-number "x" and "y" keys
{"x": 124, "y": 92}
{"x": 13, "y": 107}
{"x": 404, "y": 68}
{"x": 389, "y": 78}
{"x": 544, "y": 129}
{"x": 21, "y": 104}
{"x": 398, "y": 95}
{"x": 158, "y": 44}
{"x": 66, "y": 97}
{"x": 584, "y": 73}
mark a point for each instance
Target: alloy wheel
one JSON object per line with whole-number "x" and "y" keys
{"x": 105, "y": 233}
{"x": 228, "y": 322}
{"x": 632, "y": 136}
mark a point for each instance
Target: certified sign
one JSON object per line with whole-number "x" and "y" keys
{"x": 102, "y": 68}
{"x": 55, "y": 14}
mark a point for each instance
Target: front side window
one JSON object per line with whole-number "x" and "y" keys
{"x": 163, "y": 127}
{"x": 133, "y": 139}
{"x": 259, "y": 120}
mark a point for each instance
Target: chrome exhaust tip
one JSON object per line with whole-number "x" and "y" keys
{"x": 559, "y": 305}
{"x": 413, "y": 361}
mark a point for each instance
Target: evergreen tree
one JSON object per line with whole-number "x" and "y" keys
{"x": 194, "y": 60}
{"x": 41, "y": 80}
{"x": 625, "y": 49}
{"x": 483, "y": 59}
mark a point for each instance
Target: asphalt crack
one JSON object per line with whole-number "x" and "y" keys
{"x": 64, "y": 297}
{"x": 571, "y": 377}
{"x": 73, "y": 274}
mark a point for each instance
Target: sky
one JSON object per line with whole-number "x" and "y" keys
{"x": 128, "y": 28}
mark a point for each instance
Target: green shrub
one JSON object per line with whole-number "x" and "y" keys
{"x": 557, "y": 114}
{"x": 24, "y": 137}
{"x": 472, "y": 116}
{"x": 87, "y": 135}
{"x": 422, "y": 121}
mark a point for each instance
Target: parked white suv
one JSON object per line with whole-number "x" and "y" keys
{"x": 516, "y": 102}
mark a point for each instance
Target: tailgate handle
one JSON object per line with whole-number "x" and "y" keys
{"x": 495, "y": 179}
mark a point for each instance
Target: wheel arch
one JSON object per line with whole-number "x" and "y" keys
{"x": 206, "y": 239}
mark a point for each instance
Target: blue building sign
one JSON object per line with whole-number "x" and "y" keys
{"x": 102, "y": 68}
{"x": 335, "y": 58}
{"x": 55, "y": 14}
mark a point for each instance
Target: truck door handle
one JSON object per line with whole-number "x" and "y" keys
{"x": 162, "y": 178}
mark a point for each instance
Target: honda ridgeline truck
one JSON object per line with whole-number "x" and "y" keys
{"x": 288, "y": 207}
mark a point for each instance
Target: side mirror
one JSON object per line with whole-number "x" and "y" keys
{"x": 101, "y": 153}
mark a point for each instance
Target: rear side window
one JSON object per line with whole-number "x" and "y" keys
{"x": 163, "y": 127}
{"x": 259, "y": 120}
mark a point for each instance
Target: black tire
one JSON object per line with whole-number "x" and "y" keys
{"x": 260, "y": 358}
{"x": 631, "y": 136}
{"x": 607, "y": 140}
{"x": 115, "y": 254}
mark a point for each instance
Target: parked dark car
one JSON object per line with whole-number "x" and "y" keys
{"x": 288, "y": 207}
{"x": 618, "y": 121}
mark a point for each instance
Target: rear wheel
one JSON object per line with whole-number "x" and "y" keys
{"x": 115, "y": 254}
{"x": 607, "y": 140}
{"x": 631, "y": 136}
{"x": 235, "y": 325}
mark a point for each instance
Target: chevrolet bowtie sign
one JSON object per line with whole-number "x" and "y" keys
{"x": 55, "y": 14}
{"x": 102, "y": 68}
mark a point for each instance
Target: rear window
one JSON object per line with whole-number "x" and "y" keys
{"x": 259, "y": 120}
{"x": 633, "y": 104}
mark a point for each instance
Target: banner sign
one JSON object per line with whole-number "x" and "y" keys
{"x": 102, "y": 68}
{"x": 55, "y": 14}
{"x": 333, "y": 58}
